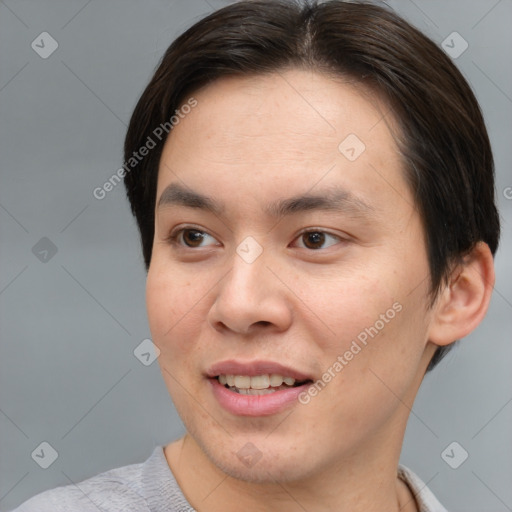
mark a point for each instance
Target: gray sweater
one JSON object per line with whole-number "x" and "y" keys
{"x": 151, "y": 487}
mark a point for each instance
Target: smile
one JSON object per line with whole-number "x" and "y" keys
{"x": 257, "y": 385}
{"x": 256, "y": 388}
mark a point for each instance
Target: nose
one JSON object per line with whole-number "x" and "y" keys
{"x": 251, "y": 299}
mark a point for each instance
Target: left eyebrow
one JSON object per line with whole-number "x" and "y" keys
{"x": 336, "y": 199}
{"x": 333, "y": 199}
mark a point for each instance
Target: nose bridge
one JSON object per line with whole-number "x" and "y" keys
{"x": 248, "y": 270}
{"x": 248, "y": 294}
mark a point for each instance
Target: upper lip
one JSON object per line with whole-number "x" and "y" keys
{"x": 254, "y": 368}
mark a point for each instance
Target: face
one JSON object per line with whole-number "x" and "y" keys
{"x": 287, "y": 245}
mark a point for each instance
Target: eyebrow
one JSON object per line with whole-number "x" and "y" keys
{"x": 332, "y": 199}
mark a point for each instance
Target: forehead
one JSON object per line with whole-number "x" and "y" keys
{"x": 285, "y": 131}
{"x": 316, "y": 105}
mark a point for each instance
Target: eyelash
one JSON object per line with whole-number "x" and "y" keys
{"x": 173, "y": 238}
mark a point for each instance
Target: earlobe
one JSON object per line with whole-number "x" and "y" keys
{"x": 464, "y": 301}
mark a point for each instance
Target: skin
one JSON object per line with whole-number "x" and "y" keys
{"x": 255, "y": 140}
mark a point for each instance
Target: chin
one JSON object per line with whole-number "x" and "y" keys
{"x": 274, "y": 463}
{"x": 264, "y": 472}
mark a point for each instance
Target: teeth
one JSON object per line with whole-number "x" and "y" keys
{"x": 276, "y": 380}
{"x": 242, "y": 381}
{"x": 243, "y": 391}
{"x": 256, "y": 383}
{"x": 259, "y": 391}
{"x": 260, "y": 382}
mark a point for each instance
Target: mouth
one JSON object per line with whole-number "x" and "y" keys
{"x": 257, "y": 388}
{"x": 259, "y": 384}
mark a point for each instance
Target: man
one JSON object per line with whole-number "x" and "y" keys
{"x": 315, "y": 195}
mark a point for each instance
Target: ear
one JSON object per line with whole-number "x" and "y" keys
{"x": 464, "y": 300}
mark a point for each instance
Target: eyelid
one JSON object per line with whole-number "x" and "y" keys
{"x": 318, "y": 230}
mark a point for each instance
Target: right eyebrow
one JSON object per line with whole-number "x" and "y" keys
{"x": 175, "y": 194}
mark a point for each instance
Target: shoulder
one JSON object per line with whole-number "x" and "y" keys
{"x": 114, "y": 490}
{"x": 427, "y": 502}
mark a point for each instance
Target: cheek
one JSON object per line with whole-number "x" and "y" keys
{"x": 170, "y": 309}
{"x": 373, "y": 320}
{"x": 173, "y": 310}
{"x": 349, "y": 304}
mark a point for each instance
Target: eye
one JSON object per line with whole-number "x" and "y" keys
{"x": 316, "y": 239}
{"x": 194, "y": 238}
{"x": 190, "y": 237}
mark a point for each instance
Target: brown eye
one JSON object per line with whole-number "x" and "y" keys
{"x": 192, "y": 237}
{"x": 315, "y": 240}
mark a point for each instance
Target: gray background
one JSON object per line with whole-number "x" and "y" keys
{"x": 69, "y": 325}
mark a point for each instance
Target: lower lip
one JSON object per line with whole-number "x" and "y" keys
{"x": 256, "y": 405}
